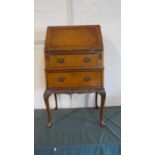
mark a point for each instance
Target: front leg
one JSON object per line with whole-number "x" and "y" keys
{"x": 47, "y": 94}
{"x": 103, "y": 96}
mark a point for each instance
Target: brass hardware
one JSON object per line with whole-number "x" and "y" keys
{"x": 61, "y": 60}
{"x": 86, "y": 78}
{"x": 61, "y": 79}
{"x": 86, "y": 60}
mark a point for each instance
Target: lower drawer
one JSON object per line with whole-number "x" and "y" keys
{"x": 74, "y": 79}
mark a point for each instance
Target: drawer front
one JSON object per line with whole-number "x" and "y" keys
{"x": 74, "y": 79}
{"x": 75, "y": 60}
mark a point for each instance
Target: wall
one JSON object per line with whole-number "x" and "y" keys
{"x": 107, "y": 13}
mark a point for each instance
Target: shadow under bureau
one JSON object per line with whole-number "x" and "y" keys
{"x": 74, "y": 63}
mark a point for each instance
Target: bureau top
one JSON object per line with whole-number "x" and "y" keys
{"x": 73, "y": 38}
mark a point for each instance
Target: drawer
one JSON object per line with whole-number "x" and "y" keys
{"x": 74, "y": 79}
{"x": 74, "y": 60}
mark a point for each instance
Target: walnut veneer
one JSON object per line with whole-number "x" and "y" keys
{"x": 74, "y": 63}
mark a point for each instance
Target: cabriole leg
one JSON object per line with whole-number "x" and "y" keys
{"x": 47, "y": 94}
{"x": 96, "y": 95}
{"x": 103, "y": 96}
{"x": 55, "y": 96}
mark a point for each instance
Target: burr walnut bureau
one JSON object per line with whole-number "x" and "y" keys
{"x": 74, "y": 63}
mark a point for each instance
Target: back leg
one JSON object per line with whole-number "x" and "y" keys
{"x": 96, "y": 95}
{"x": 55, "y": 96}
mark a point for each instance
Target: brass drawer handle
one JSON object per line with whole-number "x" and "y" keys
{"x": 86, "y": 59}
{"x": 87, "y": 78}
{"x": 60, "y": 60}
{"x": 61, "y": 79}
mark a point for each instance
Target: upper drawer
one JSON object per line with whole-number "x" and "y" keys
{"x": 75, "y": 60}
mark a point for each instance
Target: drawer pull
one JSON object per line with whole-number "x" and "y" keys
{"x": 61, "y": 79}
{"x": 87, "y": 78}
{"x": 86, "y": 60}
{"x": 60, "y": 60}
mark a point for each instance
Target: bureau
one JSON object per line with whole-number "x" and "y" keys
{"x": 74, "y": 63}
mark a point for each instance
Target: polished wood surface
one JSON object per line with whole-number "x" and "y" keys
{"x": 68, "y": 38}
{"x": 74, "y": 79}
{"x": 73, "y": 60}
{"x": 74, "y": 63}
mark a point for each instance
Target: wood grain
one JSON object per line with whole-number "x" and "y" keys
{"x": 74, "y": 63}
{"x": 74, "y": 79}
{"x": 76, "y": 60}
{"x": 68, "y": 38}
